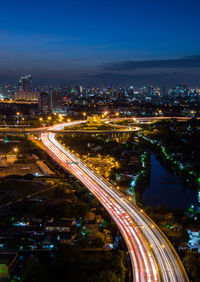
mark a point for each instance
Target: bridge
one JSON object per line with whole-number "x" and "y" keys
{"x": 153, "y": 258}
{"x": 117, "y": 129}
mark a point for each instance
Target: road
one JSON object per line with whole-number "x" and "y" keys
{"x": 43, "y": 129}
{"x": 152, "y": 256}
{"x": 124, "y": 129}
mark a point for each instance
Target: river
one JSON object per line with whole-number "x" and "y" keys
{"x": 165, "y": 188}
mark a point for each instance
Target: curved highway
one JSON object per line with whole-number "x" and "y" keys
{"x": 152, "y": 255}
{"x": 123, "y": 128}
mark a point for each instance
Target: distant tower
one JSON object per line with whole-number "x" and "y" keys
{"x": 44, "y": 103}
{"x": 25, "y": 83}
{"x": 57, "y": 100}
{"x": 66, "y": 90}
{"x": 150, "y": 90}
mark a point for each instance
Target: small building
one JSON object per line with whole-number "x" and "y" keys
{"x": 194, "y": 241}
{"x": 7, "y": 263}
{"x": 66, "y": 237}
{"x": 63, "y": 224}
{"x": 99, "y": 219}
{"x": 90, "y": 216}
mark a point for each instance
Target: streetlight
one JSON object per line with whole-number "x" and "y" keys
{"x": 15, "y": 149}
{"x": 18, "y": 116}
{"x": 84, "y": 114}
{"x": 41, "y": 119}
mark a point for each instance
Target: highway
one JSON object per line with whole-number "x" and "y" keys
{"x": 122, "y": 128}
{"x": 152, "y": 256}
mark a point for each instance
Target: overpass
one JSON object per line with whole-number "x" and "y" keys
{"x": 152, "y": 256}
{"x": 117, "y": 128}
{"x": 47, "y": 129}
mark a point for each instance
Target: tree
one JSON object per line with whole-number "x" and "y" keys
{"x": 35, "y": 272}
{"x": 192, "y": 265}
{"x": 106, "y": 276}
{"x": 98, "y": 242}
{"x": 185, "y": 236}
{"x": 59, "y": 192}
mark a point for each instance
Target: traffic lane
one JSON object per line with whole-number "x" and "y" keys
{"x": 91, "y": 185}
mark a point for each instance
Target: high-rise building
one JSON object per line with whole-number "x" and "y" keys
{"x": 26, "y": 96}
{"x": 156, "y": 91}
{"x": 81, "y": 89}
{"x": 121, "y": 94}
{"x": 25, "y": 83}
{"x": 150, "y": 90}
{"x": 182, "y": 89}
{"x": 57, "y": 100}
{"x": 44, "y": 103}
{"x": 66, "y": 90}
{"x": 163, "y": 91}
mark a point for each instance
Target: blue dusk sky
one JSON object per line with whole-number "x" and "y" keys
{"x": 97, "y": 42}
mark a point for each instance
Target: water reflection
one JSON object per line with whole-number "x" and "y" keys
{"x": 166, "y": 189}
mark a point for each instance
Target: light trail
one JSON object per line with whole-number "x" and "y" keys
{"x": 152, "y": 255}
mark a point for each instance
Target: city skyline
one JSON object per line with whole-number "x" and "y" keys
{"x": 100, "y": 43}
{"x": 99, "y": 141}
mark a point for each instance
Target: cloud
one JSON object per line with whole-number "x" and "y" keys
{"x": 169, "y": 79}
{"x": 185, "y": 62}
{"x": 160, "y": 78}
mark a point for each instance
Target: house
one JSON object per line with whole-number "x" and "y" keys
{"x": 99, "y": 219}
{"x": 7, "y": 263}
{"x": 63, "y": 224}
{"x": 66, "y": 237}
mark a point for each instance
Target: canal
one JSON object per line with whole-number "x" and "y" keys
{"x": 165, "y": 188}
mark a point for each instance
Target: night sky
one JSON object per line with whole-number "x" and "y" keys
{"x": 100, "y": 42}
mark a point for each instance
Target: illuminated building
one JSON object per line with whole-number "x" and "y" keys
{"x": 26, "y": 96}
{"x": 44, "y": 103}
{"x": 66, "y": 90}
{"x": 95, "y": 119}
{"x": 156, "y": 91}
{"x": 57, "y": 100}
{"x": 25, "y": 83}
{"x": 7, "y": 263}
{"x": 181, "y": 89}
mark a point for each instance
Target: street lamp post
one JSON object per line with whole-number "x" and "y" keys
{"x": 84, "y": 115}
{"x": 18, "y": 115}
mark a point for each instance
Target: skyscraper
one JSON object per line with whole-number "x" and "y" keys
{"x": 25, "y": 83}
{"x": 57, "y": 100}
{"x": 66, "y": 90}
{"x": 26, "y": 96}
{"x": 44, "y": 103}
